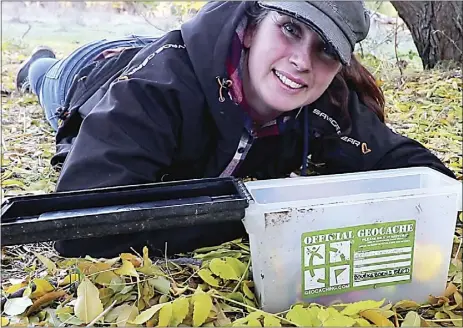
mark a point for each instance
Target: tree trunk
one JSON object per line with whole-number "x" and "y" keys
{"x": 436, "y": 28}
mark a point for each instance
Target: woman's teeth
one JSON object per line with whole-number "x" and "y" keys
{"x": 287, "y": 81}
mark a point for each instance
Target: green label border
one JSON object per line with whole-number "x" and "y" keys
{"x": 357, "y": 257}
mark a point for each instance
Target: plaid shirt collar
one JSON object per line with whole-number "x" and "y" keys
{"x": 234, "y": 64}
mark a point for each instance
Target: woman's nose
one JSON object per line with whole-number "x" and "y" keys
{"x": 304, "y": 52}
{"x": 301, "y": 57}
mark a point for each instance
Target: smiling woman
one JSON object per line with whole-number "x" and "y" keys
{"x": 244, "y": 89}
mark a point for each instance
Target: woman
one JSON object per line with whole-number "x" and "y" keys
{"x": 246, "y": 89}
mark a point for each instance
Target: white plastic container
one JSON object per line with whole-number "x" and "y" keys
{"x": 351, "y": 237}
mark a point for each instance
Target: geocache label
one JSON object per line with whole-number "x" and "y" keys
{"x": 341, "y": 260}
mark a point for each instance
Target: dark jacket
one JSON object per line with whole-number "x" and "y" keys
{"x": 160, "y": 118}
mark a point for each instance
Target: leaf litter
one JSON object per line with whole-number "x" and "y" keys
{"x": 211, "y": 286}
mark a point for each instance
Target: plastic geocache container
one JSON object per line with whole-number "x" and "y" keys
{"x": 351, "y": 237}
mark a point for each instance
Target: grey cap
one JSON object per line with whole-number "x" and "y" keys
{"x": 340, "y": 23}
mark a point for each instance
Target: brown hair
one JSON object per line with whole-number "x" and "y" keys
{"x": 354, "y": 77}
{"x": 357, "y": 78}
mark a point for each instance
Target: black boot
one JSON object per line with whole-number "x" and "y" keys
{"x": 22, "y": 81}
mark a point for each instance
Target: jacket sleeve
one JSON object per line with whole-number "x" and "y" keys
{"x": 372, "y": 145}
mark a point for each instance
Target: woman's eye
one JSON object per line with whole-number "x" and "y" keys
{"x": 291, "y": 29}
{"x": 329, "y": 51}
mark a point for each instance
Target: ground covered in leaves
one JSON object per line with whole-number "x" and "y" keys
{"x": 212, "y": 286}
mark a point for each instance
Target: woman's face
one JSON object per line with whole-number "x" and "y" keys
{"x": 289, "y": 65}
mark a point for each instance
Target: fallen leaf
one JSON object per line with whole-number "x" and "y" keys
{"x": 104, "y": 278}
{"x": 65, "y": 316}
{"x": 457, "y": 320}
{"x": 450, "y": 290}
{"x": 377, "y": 318}
{"x": 127, "y": 269}
{"x": 69, "y": 279}
{"x": 458, "y": 299}
{"x": 300, "y": 316}
{"x": 357, "y": 307}
{"x": 406, "y": 305}
{"x": 236, "y": 264}
{"x": 223, "y": 270}
{"x": 249, "y": 294}
{"x": 49, "y": 264}
{"x": 180, "y": 309}
{"x": 16, "y": 306}
{"x": 206, "y": 276}
{"x": 42, "y": 287}
{"x": 161, "y": 284}
{"x": 412, "y": 319}
{"x": 49, "y": 297}
{"x": 165, "y": 315}
{"x": 127, "y": 314}
{"x": 135, "y": 260}
{"x": 271, "y": 321}
{"x": 362, "y": 322}
{"x": 4, "y": 321}
{"x": 202, "y": 305}
{"x": 222, "y": 319}
{"x": 147, "y": 314}
{"x": 88, "y": 304}
{"x": 15, "y": 287}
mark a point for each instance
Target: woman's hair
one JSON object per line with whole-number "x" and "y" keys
{"x": 354, "y": 77}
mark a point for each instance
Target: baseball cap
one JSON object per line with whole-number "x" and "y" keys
{"x": 339, "y": 23}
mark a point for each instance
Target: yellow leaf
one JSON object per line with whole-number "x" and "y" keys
{"x": 441, "y": 315}
{"x": 146, "y": 259}
{"x": 406, "y": 305}
{"x": 69, "y": 279}
{"x": 104, "y": 278}
{"x": 299, "y": 316}
{"x": 131, "y": 258}
{"x": 355, "y": 308}
{"x": 127, "y": 314}
{"x": 202, "y": 305}
{"x": 456, "y": 319}
{"x": 180, "y": 309}
{"x": 147, "y": 314}
{"x": 15, "y": 287}
{"x": 223, "y": 270}
{"x": 4, "y": 321}
{"x": 42, "y": 287}
{"x": 236, "y": 264}
{"x": 89, "y": 268}
{"x": 165, "y": 315}
{"x": 51, "y": 267}
{"x": 362, "y": 322}
{"x": 254, "y": 323}
{"x": 127, "y": 269}
{"x": 377, "y": 318}
{"x": 88, "y": 304}
{"x": 271, "y": 321}
{"x": 147, "y": 292}
{"x": 249, "y": 294}
{"x": 206, "y": 276}
{"x": 458, "y": 299}
{"x": 336, "y": 319}
{"x": 412, "y": 319}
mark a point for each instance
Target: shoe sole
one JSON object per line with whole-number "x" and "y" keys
{"x": 24, "y": 68}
